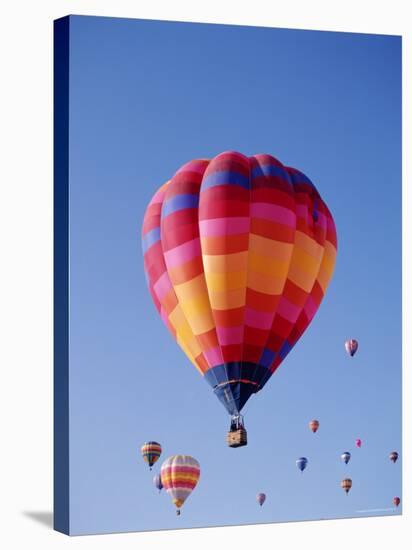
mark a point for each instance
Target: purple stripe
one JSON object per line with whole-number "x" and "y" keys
{"x": 273, "y": 212}
{"x": 223, "y": 226}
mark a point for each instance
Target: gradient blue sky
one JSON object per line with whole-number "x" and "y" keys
{"x": 145, "y": 97}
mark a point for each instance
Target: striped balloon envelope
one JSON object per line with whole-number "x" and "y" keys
{"x": 351, "y": 346}
{"x": 238, "y": 254}
{"x": 314, "y": 425}
{"x": 261, "y": 497}
{"x": 180, "y": 475}
{"x": 151, "y": 451}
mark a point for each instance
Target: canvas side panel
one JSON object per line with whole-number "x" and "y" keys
{"x": 61, "y": 275}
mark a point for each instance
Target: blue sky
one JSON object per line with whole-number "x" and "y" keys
{"x": 145, "y": 98}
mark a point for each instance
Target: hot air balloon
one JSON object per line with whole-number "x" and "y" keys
{"x": 180, "y": 474}
{"x": 345, "y": 456}
{"x": 151, "y": 450}
{"x": 301, "y": 463}
{"x": 157, "y": 482}
{"x": 346, "y": 484}
{"x": 393, "y": 456}
{"x": 358, "y": 443}
{"x": 396, "y": 501}
{"x": 351, "y": 347}
{"x": 314, "y": 425}
{"x": 238, "y": 254}
{"x": 261, "y": 497}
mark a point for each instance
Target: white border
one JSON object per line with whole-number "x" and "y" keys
{"x": 26, "y": 267}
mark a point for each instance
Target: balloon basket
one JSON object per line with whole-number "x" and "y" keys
{"x": 237, "y": 438}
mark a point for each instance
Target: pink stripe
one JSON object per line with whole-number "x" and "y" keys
{"x": 302, "y": 210}
{"x": 322, "y": 220}
{"x": 162, "y": 285}
{"x": 176, "y": 484}
{"x": 229, "y": 335}
{"x": 169, "y": 470}
{"x": 258, "y": 319}
{"x": 183, "y": 253}
{"x": 273, "y": 212}
{"x": 213, "y": 357}
{"x": 224, "y": 226}
{"x": 198, "y": 166}
{"x": 164, "y": 316}
{"x": 310, "y": 308}
{"x": 288, "y": 310}
{"x": 158, "y": 197}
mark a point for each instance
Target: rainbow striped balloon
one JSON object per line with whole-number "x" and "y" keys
{"x": 238, "y": 254}
{"x": 180, "y": 474}
{"x": 151, "y": 451}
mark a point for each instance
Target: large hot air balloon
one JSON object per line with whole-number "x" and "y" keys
{"x": 314, "y": 425}
{"x": 301, "y": 463}
{"x": 393, "y": 456}
{"x": 238, "y": 254}
{"x": 157, "y": 482}
{"x": 261, "y": 497}
{"x": 345, "y": 456}
{"x": 151, "y": 450}
{"x": 396, "y": 501}
{"x": 346, "y": 485}
{"x": 358, "y": 443}
{"x": 351, "y": 347}
{"x": 180, "y": 474}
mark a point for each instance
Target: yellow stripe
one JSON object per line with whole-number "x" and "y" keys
{"x": 267, "y": 266}
{"x": 270, "y": 248}
{"x": 227, "y": 299}
{"x": 304, "y": 242}
{"x": 266, "y": 284}
{"x": 225, "y": 263}
{"x": 226, "y": 281}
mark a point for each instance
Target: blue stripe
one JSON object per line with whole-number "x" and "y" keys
{"x": 150, "y": 238}
{"x": 285, "y": 349}
{"x": 301, "y": 178}
{"x": 270, "y": 170}
{"x": 267, "y": 357}
{"x": 225, "y": 177}
{"x": 179, "y": 202}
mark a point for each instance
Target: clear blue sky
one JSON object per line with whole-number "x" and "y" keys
{"x": 145, "y": 98}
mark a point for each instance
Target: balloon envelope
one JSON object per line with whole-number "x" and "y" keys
{"x": 261, "y": 497}
{"x": 345, "y": 457}
{"x": 346, "y": 484}
{"x": 301, "y": 463}
{"x": 314, "y": 425}
{"x": 351, "y": 347}
{"x": 238, "y": 254}
{"x": 393, "y": 456}
{"x": 151, "y": 450}
{"x": 358, "y": 443}
{"x": 396, "y": 501}
{"x": 180, "y": 474}
{"x": 157, "y": 482}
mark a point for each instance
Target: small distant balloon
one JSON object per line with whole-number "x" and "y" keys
{"x": 151, "y": 450}
{"x": 314, "y": 425}
{"x": 358, "y": 443}
{"x": 351, "y": 346}
{"x": 396, "y": 501}
{"x": 157, "y": 482}
{"x": 261, "y": 497}
{"x": 345, "y": 456}
{"x": 346, "y": 484}
{"x": 394, "y": 456}
{"x": 301, "y": 463}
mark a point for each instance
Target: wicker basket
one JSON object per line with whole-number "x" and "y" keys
{"x": 237, "y": 438}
